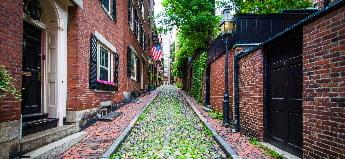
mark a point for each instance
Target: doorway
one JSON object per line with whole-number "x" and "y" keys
{"x": 284, "y": 93}
{"x": 31, "y": 67}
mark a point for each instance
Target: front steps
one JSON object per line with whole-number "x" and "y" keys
{"x": 39, "y": 139}
{"x": 55, "y": 149}
{"x": 34, "y": 123}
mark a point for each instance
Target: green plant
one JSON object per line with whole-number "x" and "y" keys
{"x": 216, "y": 115}
{"x": 255, "y": 141}
{"x": 196, "y": 25}
{"x": 198, "y": 69}
{"x": 6, "y": 85}
{"x": 178, "y": 84}
{"x": 269, "y": 6}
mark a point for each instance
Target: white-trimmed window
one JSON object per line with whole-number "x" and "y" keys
{"x": 109, "y": 7}
{"x": 134, "y": 61}
{"x": 104, "y": 63}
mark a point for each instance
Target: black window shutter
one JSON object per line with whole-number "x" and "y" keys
{"x": 116, "y": 71}
{"x": 138, "y": 69}
{"x": 93, "y": 62}
{"x": 113, "y": 14}
{"x": 128, "y": 61}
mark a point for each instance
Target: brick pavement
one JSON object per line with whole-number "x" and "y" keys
{"x": 102, "y": 134}
{"x": 239, "y": 142}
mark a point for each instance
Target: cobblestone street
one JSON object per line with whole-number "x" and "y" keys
{"x": 102, "y": 134}
{"x": 169, "y": 129}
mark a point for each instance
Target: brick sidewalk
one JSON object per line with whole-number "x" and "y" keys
{"x": 102, "y": 134}
{"x": 239, "y": 142}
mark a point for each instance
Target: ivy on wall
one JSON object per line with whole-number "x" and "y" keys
{"x": 198, "y": 69}
{"x": 6, "y": 85}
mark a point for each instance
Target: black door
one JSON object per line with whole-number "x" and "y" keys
{"x": 31, "y": 93}
{"x": 285, "y": 96}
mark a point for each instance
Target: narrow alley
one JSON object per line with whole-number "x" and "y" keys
{"x": 168, "y": 128}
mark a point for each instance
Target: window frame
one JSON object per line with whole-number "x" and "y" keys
{"x": 111, "y": 9}
{"x": 110, "y": 62}
{"x": 134, "y": 61}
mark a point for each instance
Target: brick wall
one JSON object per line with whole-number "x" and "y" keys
{"x": 324, "y": 86}
{"x": 83, "y": 23}
{"x": 11, "y": 30}
{"x": 251, "y": 94}
{"x": 217, "y": 83}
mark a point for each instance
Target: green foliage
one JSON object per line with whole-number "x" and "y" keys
{"x": 169, "y": 129}
{"x": 178, "y": 84}
{"x": 254, "y": 141}
{"x": 178, "y": 66}
{"x": 268, "y": 152}
{"x": 6, "y": 85}
{"x": 216, "y": 115}
{"x": 198, "y": 69}
{"x": 269, "y": 6}
{"x": 196, "y": 25}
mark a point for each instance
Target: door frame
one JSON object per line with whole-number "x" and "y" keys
{"x": 60, "y": 11}
{"x": 297, "y": 33}
{"x": 42, "y": 27}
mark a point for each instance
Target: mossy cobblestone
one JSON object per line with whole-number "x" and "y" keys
{"x": 168, "y": 128}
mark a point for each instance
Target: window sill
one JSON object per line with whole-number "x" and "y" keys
{"x": 134, "y": 79}
{"x": 103, "y": 91}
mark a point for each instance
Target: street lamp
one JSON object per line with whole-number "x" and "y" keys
{"x": 227, "y": 28}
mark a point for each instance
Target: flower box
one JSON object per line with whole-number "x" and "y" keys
{"x": 105, "y": 85}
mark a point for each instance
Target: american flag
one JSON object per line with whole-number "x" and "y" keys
{"x": 156, "y": 52}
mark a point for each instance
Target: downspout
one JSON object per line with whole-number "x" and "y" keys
{"x": 237, "y": 58}
{"x": 236, "y": 93}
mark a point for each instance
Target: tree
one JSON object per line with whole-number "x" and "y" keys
{"x": 269, "y": 6}
{"x": 194, "y": 20}
{"x": 196, "y": 25}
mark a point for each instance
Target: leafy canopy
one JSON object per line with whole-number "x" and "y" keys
{"x": 269, "y": 6}
{"x": 196, "y": 25}
{"x": 194, "y": 20}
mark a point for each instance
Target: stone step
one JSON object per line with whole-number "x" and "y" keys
{"x": 39, "y": 139}
{"x": 36, "y": 116}
{"x": 55, "y": 149}
{"x": 37, "y": 125}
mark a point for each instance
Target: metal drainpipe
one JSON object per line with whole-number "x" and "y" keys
{"x": 236, "y": 94}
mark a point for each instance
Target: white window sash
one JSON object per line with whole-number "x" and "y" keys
{"x": 110, "y": 60}
{"x": 110, "y": 7}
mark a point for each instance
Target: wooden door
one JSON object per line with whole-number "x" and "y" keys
{"x": 31, "y": 67}
{"x": 285, "y": 98}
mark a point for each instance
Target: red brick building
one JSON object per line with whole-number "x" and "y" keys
{"x": 290, "y": 88}
{"x": 70, "y": 57}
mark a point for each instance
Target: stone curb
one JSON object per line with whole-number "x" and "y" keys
{"x": 229, "y": 150}
{"x": 117, "y": 143}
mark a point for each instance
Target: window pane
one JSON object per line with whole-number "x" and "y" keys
{"x": 103, "y": 57}
{"x": 103, "y": 74}
{"x": 106, "y": 60}
{"x": 105, "y": 4}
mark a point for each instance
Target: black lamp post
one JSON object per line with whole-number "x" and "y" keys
{"x": 227, "y": 28}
